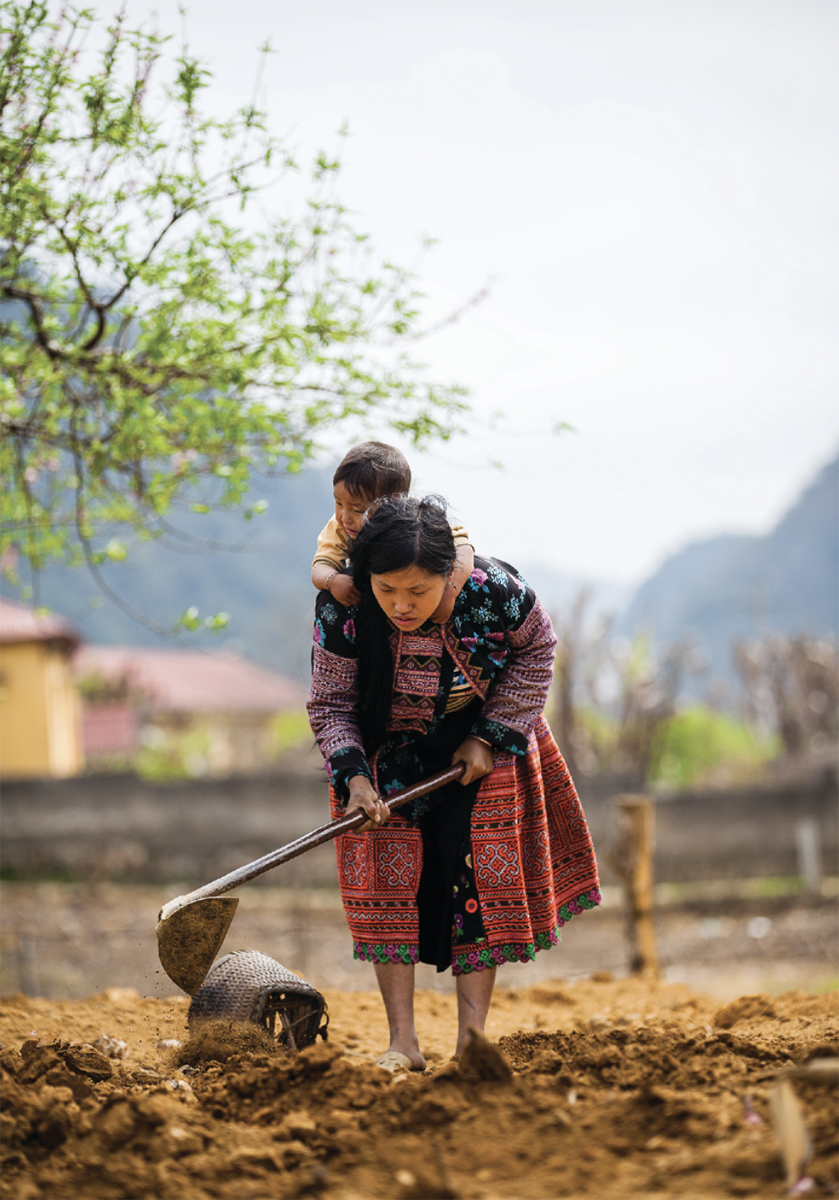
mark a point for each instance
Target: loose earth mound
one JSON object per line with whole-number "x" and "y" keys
{"x": 604, "y": 1089}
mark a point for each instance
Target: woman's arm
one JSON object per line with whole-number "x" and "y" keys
{"x": 518, "y": 694}
{"x": 333, "y": 696}
{"x": 512, "y": 616}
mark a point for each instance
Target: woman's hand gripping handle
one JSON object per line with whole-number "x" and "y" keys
{"x": 363, "y": 796}
{"x": 476, "y": 757}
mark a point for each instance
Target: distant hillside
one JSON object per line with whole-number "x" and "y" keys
{"x": 740, "y": 586}
{"x": 264, "y": 585}
{"x": 559, "y": 592}
{"x": 715, "y": 591}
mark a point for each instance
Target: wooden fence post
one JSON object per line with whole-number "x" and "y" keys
{"x": 633, "y": 862}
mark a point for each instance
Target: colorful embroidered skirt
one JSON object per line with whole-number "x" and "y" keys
{"x": 523, "y": 866}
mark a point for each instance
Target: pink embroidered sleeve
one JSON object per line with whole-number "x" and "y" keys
{"x": 518, "y": 695}
{"x": 332, "y": 708}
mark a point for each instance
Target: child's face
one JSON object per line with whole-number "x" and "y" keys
{"x": 350, "y": 508}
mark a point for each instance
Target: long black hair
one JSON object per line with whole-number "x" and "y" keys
{"x": 398, "y": 532}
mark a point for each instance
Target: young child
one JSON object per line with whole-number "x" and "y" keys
{"x": 366, "y": 472}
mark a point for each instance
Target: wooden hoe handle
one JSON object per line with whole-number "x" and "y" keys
{"x": 316, "y": 838}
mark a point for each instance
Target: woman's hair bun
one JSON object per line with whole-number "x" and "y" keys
{"x": 402, "y": 531}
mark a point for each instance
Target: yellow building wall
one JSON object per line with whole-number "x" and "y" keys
{"x": 40, "y": 712}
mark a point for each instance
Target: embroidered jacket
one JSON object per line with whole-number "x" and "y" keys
{"x": 500, "y": 640}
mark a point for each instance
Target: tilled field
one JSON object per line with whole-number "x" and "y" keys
{"x": 602, "y": 1088}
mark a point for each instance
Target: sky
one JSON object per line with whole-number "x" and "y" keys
{"x": 650, "y": 189}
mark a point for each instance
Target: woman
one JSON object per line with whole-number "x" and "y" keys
{"x": 487, "y": 869}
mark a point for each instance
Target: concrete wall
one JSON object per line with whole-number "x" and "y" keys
{"x": 727, "y": 834}
{"x": 120, "y": 827}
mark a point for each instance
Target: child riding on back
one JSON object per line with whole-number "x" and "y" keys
{"x": 366, "y": 473}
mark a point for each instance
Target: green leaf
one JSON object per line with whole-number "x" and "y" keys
{"x": 151, "y": 340}
{"x": 190, "y": 619}
{"x": 116, "y": 550}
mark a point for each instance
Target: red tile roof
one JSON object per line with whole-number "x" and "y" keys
{"x": 191, "y": 680}
{"x": 109, "y": 729}
{"x": 21, "y": 623}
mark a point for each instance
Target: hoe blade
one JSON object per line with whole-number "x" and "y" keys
{"x": 189, "y": 938}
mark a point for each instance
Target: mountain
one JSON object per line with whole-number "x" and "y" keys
{"x": 264, "y": 585}
{"x": 740, "y": 586}
{"x": 715, "y": 591}
{"x": 559, "y": 592}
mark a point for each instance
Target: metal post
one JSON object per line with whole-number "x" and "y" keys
{"x": 807, "y": 841}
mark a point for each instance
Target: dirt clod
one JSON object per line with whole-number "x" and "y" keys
{"x": 746, "y": 1008}
{"x": 84, "y": 1060}
{"x": 483, "y": 1062}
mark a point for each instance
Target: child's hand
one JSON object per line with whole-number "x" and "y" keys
{"x": 342, "y": 589}
{"x": 444, "y": 609}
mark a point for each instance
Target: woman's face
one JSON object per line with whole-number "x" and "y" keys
{"x": 409, "y": 597}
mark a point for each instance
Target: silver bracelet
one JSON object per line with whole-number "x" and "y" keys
{"x": 329, "y": 579}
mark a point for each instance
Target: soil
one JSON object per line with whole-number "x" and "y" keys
{"x": 601, "y": 1088}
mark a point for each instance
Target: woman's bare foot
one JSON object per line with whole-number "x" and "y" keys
{"x": 402, "y": 1054}
{"x": 411, "y": 1050}
{"x": 462, "y": 1042}
{"x": 396, "y": 983}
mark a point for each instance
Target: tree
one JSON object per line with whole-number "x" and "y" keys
{"x": 792, "y": 691}
{"x": 612, "y": 698}
{"x": 150, "y": 344}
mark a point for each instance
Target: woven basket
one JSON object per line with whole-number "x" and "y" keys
{"x": 254, "y": 989}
